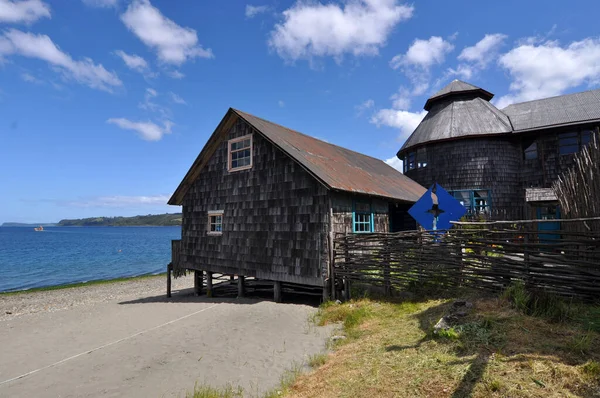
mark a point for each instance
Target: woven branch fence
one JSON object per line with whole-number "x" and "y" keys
{"x": 578, "y": 189}
{"x": 480, "y": 255}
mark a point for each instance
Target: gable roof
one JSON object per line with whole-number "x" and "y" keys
{"x": 555, "y": 111}
{"x": 336, "y": 167}
{"x": 457, "y": 87}
{"x": 460, "y": 118}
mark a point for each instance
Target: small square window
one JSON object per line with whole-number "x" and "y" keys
{"x": 362, "y": 217}
{"x": 215, "y": 222}
{"x": 239, "y": 153}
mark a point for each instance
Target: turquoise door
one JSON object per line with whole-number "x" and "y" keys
{"x": 549, "y": 212}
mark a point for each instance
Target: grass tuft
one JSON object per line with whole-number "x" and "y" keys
{"x": 205, "y": 391}
{"x": 592, "y": 369}
{"x": 287, "y": 380}
{"x": 317, "y": 360}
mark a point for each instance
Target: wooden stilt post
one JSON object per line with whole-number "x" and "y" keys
{"x": 209, "y": 284}
{"x": 169, "y": 268}
{"x": 347, "y": 290}
{"x": 278, "y": 294}
{"x": 241, "y": 290}
{"x": 197, "y": 283}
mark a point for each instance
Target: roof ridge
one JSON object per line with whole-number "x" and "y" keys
{"x": 553, "y": 97}
{"x": 495, "y": 110}
{"x": 306, "y": 135}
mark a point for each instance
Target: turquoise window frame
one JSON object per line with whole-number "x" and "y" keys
{"x": 473, "y": 207}
{"x": 369, "y": 213}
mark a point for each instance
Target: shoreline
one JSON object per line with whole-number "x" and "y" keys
{"x": 81, "y": 284}
{"x": 65, "y": 297}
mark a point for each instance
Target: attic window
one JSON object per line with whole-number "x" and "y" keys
{"x": 239, "y": 153}
{"x": 215, "y": 222}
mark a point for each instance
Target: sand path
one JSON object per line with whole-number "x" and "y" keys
{"x": 143, "y": 345}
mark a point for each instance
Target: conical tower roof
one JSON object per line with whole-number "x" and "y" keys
{"x": 458, "y": 88}
{"x": 458, "y": 110}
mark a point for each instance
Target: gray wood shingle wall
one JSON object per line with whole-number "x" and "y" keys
{"x": 477, "y": 163}
{"x": 275, "y": 220}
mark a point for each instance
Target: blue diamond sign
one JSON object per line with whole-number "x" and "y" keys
{"x": 435, "y": 216}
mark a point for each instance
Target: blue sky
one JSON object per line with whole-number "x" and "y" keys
{"x": 105, "y": 104}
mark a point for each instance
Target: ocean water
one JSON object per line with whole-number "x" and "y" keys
{"x": 60, "y": 255}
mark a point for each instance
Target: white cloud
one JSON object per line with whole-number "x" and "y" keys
{"x": 133, "y": 61}
{"x": 416, "y": 64}
{"x": 41, "y": 47}
{"x": 177, "y": 99}
{"x": 404, "y": 121}
{"x": 153, "y": 107}
{"x": 423, "y": 53}
{"x": 485, "y": 51}
{"x": 281, "y": 103}
{"x": 23, "y": 11}
{"x": 402, "y": 99}
{"x": 148, "y": 131}
{"x": 101, "y": 3}
{"x": 174, "y": 44}
{"x": 30, "y": 78}
{"x": 547, "y": 69}
{"x": 358, "y": 27}
{"x": 395, "y": 163}
{"x": 464, "y": 71}
{"x": 175, "y": 74}
{"x": 118, "y": 201}
{"x": 478, "y": 57}
{"x": 362, "y": 108}
{"x": 252, "y": 11}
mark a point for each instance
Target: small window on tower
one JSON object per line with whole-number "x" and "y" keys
{"x": 531, "y": 152}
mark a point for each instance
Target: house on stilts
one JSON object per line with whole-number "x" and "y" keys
{"x": 264, "y": 201}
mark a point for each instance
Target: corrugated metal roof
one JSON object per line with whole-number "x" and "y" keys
{"x": 457, "y": 87}
{"x": 459, "y": 118}
{"x": 564, "y": 109}
{"x": 339, "y": 168}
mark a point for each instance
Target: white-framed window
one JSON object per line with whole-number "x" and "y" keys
{"x": 239, "y": 153}
{"x": 215, "y": 222}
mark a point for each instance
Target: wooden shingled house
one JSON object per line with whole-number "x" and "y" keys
{"x": 264, "y": 201}
{"x": 500, "y": 163}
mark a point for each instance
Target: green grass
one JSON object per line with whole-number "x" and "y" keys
{"x": 495, "y": 351}
{"x": 317, "y": 360}
{"x": 287, "y": 380}
{"x": 82, "y": 284}
{"x": 205, "y": 391}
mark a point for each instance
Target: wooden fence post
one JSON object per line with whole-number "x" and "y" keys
{"x": 526, "y": 257}
{"x": 387, "y": 284}
{"x": 347, "y": 269}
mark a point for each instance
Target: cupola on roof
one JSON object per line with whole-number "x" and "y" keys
{"x": 457, "y": 88}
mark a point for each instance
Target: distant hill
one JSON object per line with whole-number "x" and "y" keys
{"x": 20, "y": 224}
{"x": 149, "y": 220}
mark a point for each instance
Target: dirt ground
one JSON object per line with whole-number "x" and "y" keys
{"x": 115, "y": 341}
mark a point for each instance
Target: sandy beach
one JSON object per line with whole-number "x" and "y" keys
{"x": 128, "y": 339}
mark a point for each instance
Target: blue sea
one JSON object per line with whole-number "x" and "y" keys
{"x": 60, "y": 255}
